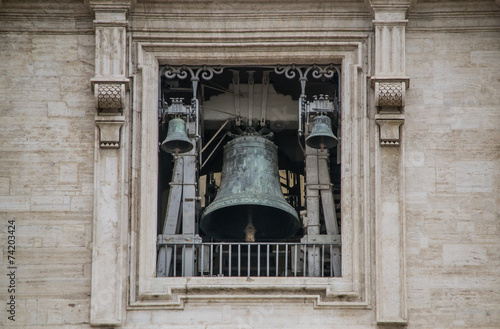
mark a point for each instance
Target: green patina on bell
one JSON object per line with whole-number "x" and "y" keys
{"x": 321, "y": 136}
{"x": 250, "y": 204}
{"x": 177, "y": 140}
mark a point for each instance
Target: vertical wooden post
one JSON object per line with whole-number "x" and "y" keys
{"x": 189, "y": 207}
{"x": 312, "y": 202}
{"x": 171, "y": 217}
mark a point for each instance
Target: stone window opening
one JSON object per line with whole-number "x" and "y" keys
{"x": 248, "y": 100}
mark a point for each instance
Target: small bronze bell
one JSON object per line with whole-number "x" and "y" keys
{"x": 321, "y": 136}
{"x": 177, "y": 140}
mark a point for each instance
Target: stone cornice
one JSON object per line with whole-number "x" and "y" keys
{"x": 386, "y": 8}
{"x": 110, "y": 5}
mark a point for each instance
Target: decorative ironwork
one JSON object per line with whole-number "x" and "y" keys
{"x": 317, "y": 72}
{"x": 183, "y": 72}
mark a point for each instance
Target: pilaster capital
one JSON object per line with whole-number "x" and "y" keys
{"x": 390, "y": 9}
{"x": 110, "y": 5}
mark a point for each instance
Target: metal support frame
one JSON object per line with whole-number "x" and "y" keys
{"x": 318, "y": 187}
{"x": 181, "y": 207}
{"x": 307, "y": 108}
{"x": 265, "y": 92}
{"x": 195, "y": 74}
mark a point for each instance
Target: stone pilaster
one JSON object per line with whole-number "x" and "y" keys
{"x": 110, "y": 206}
{"x": 390, "y": 83}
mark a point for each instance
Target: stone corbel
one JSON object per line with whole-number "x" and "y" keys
{"x": 390, "y": 102}
{"x": 109, "y": 97}
{"x": 109, "y": 131}
{"x": 389, "y": 127}
{"x": 390, "y": 94}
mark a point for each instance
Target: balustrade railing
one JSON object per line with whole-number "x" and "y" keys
{"x": 262, "y": 259}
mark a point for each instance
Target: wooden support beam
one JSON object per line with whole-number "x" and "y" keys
{"x": 329, "y": 210}
{"x": 172, "y": 217}
{"x": 189, "y": 207}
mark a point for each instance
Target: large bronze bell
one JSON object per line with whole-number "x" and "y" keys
{"x": 322, "y": 136}
{"x": 250, "y": 204}
{"x": 177, "y": 140}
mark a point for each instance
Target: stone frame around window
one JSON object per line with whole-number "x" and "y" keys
{"x": 352, "y": 290}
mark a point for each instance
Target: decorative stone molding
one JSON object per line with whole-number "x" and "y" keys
{"x": 389, "y": 130}
{"x": 109, "y": 130}
{"x": 390, "y": 94}
{"x": 352, "y": 290}
{"x": 109, "y": 97}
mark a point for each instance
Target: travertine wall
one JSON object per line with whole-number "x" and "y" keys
{"x": 46, "y": 173}
{"x": 452, "y": 166}
{"x": 452, "y": 139}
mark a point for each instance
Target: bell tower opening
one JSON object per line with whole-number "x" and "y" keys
{"x": 249, "y": 171}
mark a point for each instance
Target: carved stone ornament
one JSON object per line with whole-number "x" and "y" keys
{"x": 389, "y": 131}
{"x": 110, "y": 97}
{"x": 390, "y": 94}
{"x": 109, "y": 131}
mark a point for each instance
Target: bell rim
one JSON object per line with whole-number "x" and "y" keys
{"x": 334, "y": 141}
{"x": 234, "y": 202}
{"x": 186, "y": 142}
{"x": 247, "y": 200}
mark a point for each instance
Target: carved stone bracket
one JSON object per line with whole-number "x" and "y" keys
{"x": 109, "y": 131}
{"x": 389, "y": 129}
{"x": 109, "y": 97}
{"x": 390, "y": 102}
{"x": 390, "y": 94}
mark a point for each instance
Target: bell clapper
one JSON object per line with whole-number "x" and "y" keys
{"x": 250, "y": 229}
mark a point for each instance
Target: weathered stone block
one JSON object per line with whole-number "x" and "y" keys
{"x": 14, "y": 203}
{"x": 474, "y": 176}
{"x": 68, "y": 172}
{"x": 4, "y": 185}
{"x": 43, "y": 48}
{"x": 464, "y": 255}
{"x": 50, "y": 203}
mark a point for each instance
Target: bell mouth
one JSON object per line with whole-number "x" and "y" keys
{"x": 177, "y": 146}
{"x": 271, "y": 222}
{"x": 322, "y": 142}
